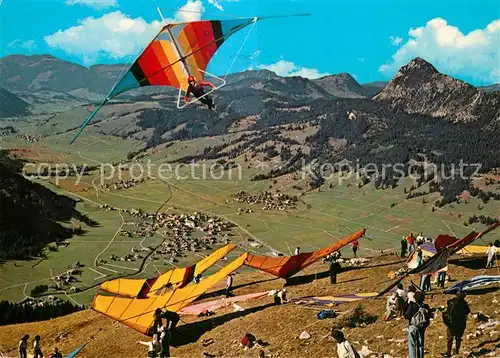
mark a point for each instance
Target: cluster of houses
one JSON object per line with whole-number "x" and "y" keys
{"x": 66, "y": 279}
{"x": 29, "y": 138}
{"x": 122, "y": 184}
{"x": 186, "y": 234}
{"x": 270, "y": 201}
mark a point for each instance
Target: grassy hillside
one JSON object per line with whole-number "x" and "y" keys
{"x": 280, "y": 326}
{"x": 323, "y": 215}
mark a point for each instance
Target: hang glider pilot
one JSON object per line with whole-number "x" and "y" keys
{"x": 197, "y": 90}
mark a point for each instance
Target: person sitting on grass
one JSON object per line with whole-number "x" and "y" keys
{"x": 392, "y": 308}
{"x": 344, "y": 348}
{"x": 56, "y": 353}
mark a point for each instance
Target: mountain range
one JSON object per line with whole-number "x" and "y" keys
{"x": 420, "y": 113}
{"x": 44, "y": 83}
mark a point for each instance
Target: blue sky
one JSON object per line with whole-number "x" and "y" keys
{"x": 368, "y": 39}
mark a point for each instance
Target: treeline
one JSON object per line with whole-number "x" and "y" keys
{"x": 29, "y": 213}
{"x": 13, "y": 313}
{"x": 388, "y": 138}
{"x": 196, "y": 122}
{"x": 482, "y": 195}
{"x": 485, "y": 220}
{"x": 243, "y": 144}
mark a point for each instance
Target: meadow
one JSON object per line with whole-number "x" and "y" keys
{"x": 323, "y": 216}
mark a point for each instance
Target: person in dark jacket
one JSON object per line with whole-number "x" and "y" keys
{"x": 171, "y": 317}
{"x": 455, "y": 319}
{"x": 157, "y": 322}
{"x": 415, "y": 334}
{"x": 56, "y": 353}
{"x": 23, "y": 346}
{"x": 404, "y": 247}
{"x": 196, "y": 88}
{"x": 334, "y": 266}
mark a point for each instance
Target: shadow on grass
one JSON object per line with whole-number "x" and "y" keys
{"x": 223, "y": 291}
{"x": 300, "y": 280}
{"x": 482, "y": 291}
{"x": 473, "y": 263}
{"x": 191, "y": 332}
{"x": 483, "y": 351}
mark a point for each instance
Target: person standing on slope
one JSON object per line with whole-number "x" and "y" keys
{"x": 23, "y": 346}
{"x": 334, "y": 266}
{"x": 411, "y": 243}
{"x": 404, "y": 246}
{"x": 455, "y": 319}
{"x": 355, "y": 247}
{"x": 490, "y": 255}
{"x": 229, "y": 285}
{"x": 36, "y": 348}
{"x": 418, "y": 316}
{"x": 197, "y": 90}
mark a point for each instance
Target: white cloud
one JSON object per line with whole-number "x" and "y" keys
{"x": 191, "y": 11}
{"x": 216, "y": 4}
{"x": 29, "y": 45}
{"x": 475, "y": 54}
{"x": 287, "y": 68}
{"x": 98, "y": 4}
{"x": 114, "y": 34}
{"x": 396, "y": 40}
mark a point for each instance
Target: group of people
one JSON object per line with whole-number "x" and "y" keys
{"x": 410, "y": 243}
{"x": 37, "y": 349}
{"x": 162, "y": 333}
{"x": 410, "y": 304}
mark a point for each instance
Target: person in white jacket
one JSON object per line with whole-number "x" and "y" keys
{"x": 154, "y": 346}
{"x": 344, "y": 348}
{"x": 490, "y": 255}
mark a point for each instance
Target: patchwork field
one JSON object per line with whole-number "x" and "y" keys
{"x": 322, "y": 216}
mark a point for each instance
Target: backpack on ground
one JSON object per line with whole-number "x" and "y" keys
{"x": 421, "y": 318}
{"x": 326, "y": 314}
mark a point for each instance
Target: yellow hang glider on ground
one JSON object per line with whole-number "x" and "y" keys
{"x": 138, "y": 299}
{"x": 137, "y": 313}
{"x": 173, "y": 279}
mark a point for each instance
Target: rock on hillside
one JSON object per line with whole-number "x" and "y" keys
{"x": 341, "y": 85}
{"x": 418, "y": 88}
{"x": 11, "y": 105}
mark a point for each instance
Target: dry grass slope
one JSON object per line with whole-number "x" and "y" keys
{"x": 280, "y": 326}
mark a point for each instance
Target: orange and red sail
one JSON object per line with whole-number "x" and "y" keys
{"x": 287, "y": 266}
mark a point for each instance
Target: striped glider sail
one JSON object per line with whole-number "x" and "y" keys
{"x": 179, "y": 50}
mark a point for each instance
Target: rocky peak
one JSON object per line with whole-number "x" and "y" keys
{"x": 341, "y": 85}
{"x": 418, "y": 88}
